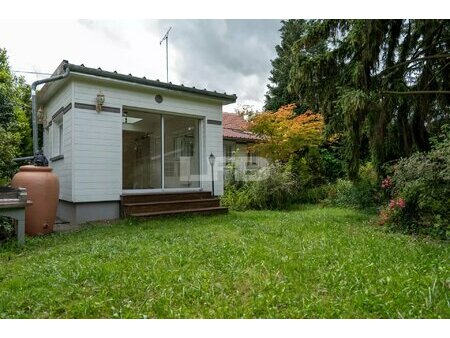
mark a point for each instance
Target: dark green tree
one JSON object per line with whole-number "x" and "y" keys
{"x": 382, "y": 84}
{"x": 278, "y": 94}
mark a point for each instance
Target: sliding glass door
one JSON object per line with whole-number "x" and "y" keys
{"x": 141, "y": 159}
{"x": 181, "y": 160}
{"x": 143, "y": 167}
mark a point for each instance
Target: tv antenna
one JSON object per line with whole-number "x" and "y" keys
{"x": 166, "y": 37}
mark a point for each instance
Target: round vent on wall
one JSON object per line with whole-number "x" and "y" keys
{"x": 158, "y": 98}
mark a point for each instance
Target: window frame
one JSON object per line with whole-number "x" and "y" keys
{"x": 58, "y": 137}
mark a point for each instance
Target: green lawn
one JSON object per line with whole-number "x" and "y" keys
{"x": 308, "y": 263}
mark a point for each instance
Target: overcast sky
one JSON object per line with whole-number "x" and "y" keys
{"x": 230, "y": 56}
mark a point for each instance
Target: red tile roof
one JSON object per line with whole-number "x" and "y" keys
{"x": 235, "y": 127}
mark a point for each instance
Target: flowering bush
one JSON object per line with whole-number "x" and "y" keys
{"x": 397, "y": 203}
{"x": 386, "y": 183}
{"x": 419, "y": 192}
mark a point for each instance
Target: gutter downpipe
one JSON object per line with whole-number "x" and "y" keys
{"x": 34, "y": 103}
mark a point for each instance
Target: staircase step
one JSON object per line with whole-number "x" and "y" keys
{"x": 203, "y": 211}
{"x": 145, "y": 207}
{"x": 169, "y": 202}
{"x": 164, "y": 196}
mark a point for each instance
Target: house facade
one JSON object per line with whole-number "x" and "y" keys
{"x": 108, "y": 134}
{"x": 238, "y": 144}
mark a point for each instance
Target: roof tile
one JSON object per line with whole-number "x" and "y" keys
{"x": 235, "y": 127}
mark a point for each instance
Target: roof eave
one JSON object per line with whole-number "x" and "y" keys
{"x": 224, "y": 98}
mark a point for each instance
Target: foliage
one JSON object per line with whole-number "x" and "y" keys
{"x": 382, "y": 84}
{"x": 285, "y": 133}
{"x": 362, "y": 194}
{"x": 422, "y": 181}
{"x": 310, "y": 263}
{"x": 7, "y": 230}
{"x": 9, "y": 148}
{"x": 278, "y": 94}
{"x": 15, "y": 129}
{"x": 271, "y": 187}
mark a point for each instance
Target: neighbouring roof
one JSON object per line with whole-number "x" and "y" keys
{"x": 235, "y": 127}
{"x": 81, "y": 69}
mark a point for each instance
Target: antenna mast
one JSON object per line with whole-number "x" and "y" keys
{"x": 166, "y": 37}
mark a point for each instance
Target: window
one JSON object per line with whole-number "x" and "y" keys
{"x": 58, "y": 138}
{"x": 229, "y": 149}
{"x": 251, "y": 158}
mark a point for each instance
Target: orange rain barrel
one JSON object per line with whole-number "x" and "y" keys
{"x": 43, "y": 191}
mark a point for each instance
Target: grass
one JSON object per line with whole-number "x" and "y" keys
{"x": 307, "y": 263}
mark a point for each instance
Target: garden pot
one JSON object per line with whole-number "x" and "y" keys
{"x": 43, "y": 191}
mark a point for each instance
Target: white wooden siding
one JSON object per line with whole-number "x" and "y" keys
{"x": 62, "y": 168}
{"x": 214, "y": 145}
{"x": 97, "y": 145}
{"x": 97, "y": 155}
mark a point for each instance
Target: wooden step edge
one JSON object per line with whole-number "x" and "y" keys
{"x": 183, "y": 211}
{"x": 166, "y": 193}
{"x": 170, "y": 202}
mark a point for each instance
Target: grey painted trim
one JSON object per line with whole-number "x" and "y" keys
{"x": 111, "y": 109}
{"x": 59, "y": 111}
{"x": 62, "y": 110}
{"x": 49, "y": 124}
{"x": 129, "y": 78}
{"x": 93, "y": 107}
{"x": 216, "y": 122}
{"x": 57, "y": 158}
{"x": 67, "y": 108}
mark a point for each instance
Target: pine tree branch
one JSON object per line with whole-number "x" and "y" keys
{"x": 436, "y": 56}
{"x": 416, "y": 92}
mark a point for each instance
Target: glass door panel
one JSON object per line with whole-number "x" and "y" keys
{"x": 181, "y": 152}
{"x": 141, "y": 160}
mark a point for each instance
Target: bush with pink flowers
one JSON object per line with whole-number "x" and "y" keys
{"x": 419, "y": 192}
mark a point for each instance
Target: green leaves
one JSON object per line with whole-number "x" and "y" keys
{"x": 15, "y": 130}
{"x": 354, "y": 72}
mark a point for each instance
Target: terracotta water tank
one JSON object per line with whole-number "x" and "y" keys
{"x": 43, "y": 191}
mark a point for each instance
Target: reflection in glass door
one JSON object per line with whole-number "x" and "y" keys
{"x": 181, "y": 148}
{"x": 141, "y": 159}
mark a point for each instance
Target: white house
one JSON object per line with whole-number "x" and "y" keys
{"x": 109, "y": 136}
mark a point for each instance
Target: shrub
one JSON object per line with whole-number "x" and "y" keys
{"x": 362, "y": 194}
{"x": 423, "y": 182}
{"x": 272, "y": 187}
{"x": 313, "y": 195}
{"x": 6, "y": 228}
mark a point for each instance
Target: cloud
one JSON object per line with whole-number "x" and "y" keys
{"x": 224, "y": 55}
{"x": 230, "y": 56}
{"x": 110, "y": 29}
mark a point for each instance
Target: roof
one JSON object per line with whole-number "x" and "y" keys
{"x": 235, "y": 127}
{"x": 82, "y": 69}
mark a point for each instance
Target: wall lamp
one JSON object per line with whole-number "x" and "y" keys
{"x": 100, "y": 100}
